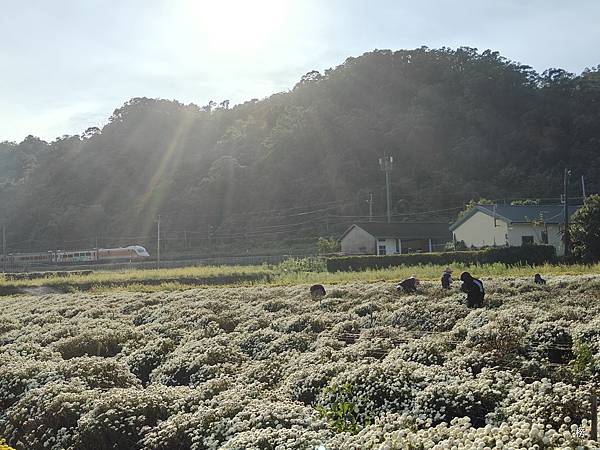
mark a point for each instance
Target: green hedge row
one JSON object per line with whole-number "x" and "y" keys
{"x": 529, "y": 254}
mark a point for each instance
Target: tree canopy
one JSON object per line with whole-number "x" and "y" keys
{"x": 461, "y": 124}
{"x": 585, "y": 230}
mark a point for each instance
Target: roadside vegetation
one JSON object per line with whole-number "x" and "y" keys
{"x": 289, "y": 272}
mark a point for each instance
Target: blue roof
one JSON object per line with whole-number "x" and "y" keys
{"x": 550, "y": 214}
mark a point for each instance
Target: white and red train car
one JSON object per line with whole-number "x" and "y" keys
{"x": 132, "y": 252}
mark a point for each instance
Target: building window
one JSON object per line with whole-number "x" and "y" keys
{"x": 382, "y": 250}
{"x": 381, "y": 239}
{"x": 397, "y": 245}
{"x": 526, "y": 240}
{"x": 544, "y": 237}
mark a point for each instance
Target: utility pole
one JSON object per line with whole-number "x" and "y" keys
{"x": 566, "y": 212}
{"x": 370, "y": 202}
{"x": 386, "y": 164}
{"x": 594, "y": 431}
{"x": 3, "y": 249}
{"x": 583, "y": 187}
{"x": 208, "y": 238}
{"x": 158, "y": 244}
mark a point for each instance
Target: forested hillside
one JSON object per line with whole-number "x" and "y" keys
{"x": 460, "y": 124}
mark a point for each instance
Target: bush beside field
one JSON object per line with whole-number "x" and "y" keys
{"x": 265, "y": 367}
{"x": 525, "y": 255}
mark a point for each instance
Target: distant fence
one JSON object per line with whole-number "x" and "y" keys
{"x": 243, "y": 260}
{"x": 529, "y": 254}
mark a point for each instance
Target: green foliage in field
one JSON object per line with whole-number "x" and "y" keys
{"x": 341, "y": 412}
{"x": 328, "y": 245}
{"x": 583, "y": 364}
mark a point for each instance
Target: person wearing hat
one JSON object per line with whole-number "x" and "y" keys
{"x": 409, "y": 285}
{"x": 447, "y": 278}
{"x": 474, "y": 290}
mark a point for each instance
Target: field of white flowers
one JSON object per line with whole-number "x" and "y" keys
{"x": 266, "y": 367}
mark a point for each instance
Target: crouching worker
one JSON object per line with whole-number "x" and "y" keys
{"x": 537, "y": 279}
{"x": 447, "y": 278}
{"x": 317, "y": 291}
{"x": 409, "y": 285}
{"x": 474, "y": 290}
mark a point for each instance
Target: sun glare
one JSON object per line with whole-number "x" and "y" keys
{"x": 237, "y": 24}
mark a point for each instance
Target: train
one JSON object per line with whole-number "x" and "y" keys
{"x": 130, "y": 253}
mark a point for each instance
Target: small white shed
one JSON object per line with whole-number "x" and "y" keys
{"x": 382, "y": 238}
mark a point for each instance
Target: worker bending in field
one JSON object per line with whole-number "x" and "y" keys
{"x": 447, "y": 278}
{"x": 409, "y": 285}
{"x": 537, "y": 279}
{"x": 317, "y": 291}
{"x": 474, "y": 290}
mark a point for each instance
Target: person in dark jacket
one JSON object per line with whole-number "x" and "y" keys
{"x": 537, "y": 279}
{"x": 409, "y": 285}
{"x": 474, "y": 290}
{"x": 317, "y": 291}
{"x": 447, "y": 278}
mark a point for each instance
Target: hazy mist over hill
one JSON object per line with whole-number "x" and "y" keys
{"x": 461, "y": 124}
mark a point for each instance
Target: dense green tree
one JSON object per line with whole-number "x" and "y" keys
{"x": 585, "y": 230}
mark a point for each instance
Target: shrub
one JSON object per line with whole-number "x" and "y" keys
{"x": 457, "y": 397}
{"x": 294, "y": 265}
{"x": 143, "y": 361}
{"x": 530, "y": 255}
{"x": 118, "y": 419}
{"x": 544, "y": 401}
{"x": 306, "y": 384}
{"x": 500, "y": 339}
{"x": 46, "y": 417}
{"x": 328, "y": 245}
{"x": 552, "y": 341}
{"x": 198, "y": 361}
{"x": 105, "y": 343}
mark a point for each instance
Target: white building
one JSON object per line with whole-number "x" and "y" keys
{"x": 382, "y": 238}
{"x": 508, "y": 225}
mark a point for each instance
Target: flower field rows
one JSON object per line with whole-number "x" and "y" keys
{"x": 266, "y": 367}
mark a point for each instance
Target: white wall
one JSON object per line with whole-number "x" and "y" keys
{"x": 518, "y": 230}
{"x": 390, "y": 246}
{"x": 358, "y": 242}
{"x": 555, "y": 238}
{"x": 479, "y": 231}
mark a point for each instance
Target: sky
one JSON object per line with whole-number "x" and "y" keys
{"x": 68, "y": 64}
